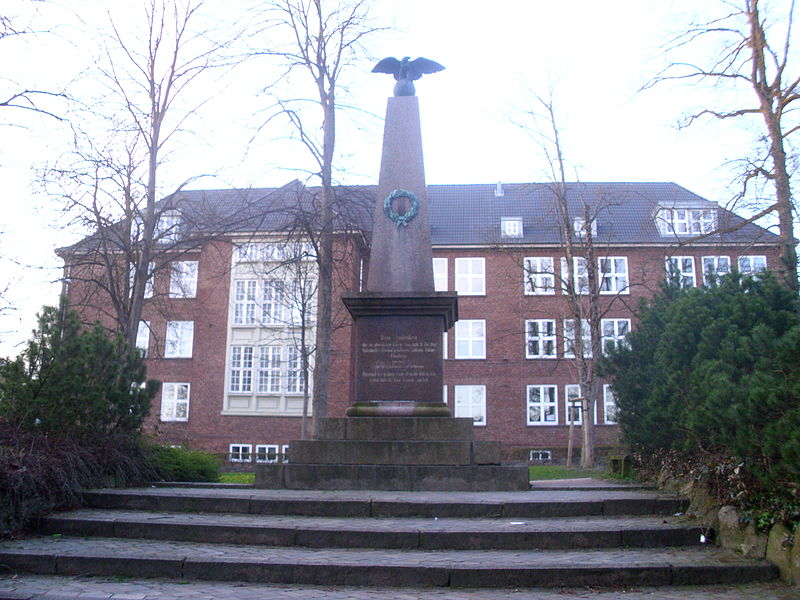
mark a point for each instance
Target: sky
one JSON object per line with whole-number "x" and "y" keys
{"x": 592, "y": 57}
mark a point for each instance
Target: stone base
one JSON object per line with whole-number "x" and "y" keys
{"x": 412, "y": 478}
{"x": 392, "y": 453}
{"x": 398, "y": 409}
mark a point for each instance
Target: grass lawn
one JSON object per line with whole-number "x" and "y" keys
{"x": 248, "y": 478}
{"x": 538, "y": 472}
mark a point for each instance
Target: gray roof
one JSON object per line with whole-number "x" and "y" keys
{"x": 465, "y": 214}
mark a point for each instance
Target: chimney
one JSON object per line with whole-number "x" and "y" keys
{"x": 498, "y": 191}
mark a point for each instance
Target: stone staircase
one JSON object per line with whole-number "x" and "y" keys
{"x": 557, "y": 537}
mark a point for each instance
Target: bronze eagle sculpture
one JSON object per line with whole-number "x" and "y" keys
{"x": 406, "y": 72}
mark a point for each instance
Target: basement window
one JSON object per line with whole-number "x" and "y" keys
{"x": 240, "y": 452}
{"x": 539, "y": 455}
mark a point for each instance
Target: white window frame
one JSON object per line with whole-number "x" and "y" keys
{"x": 678, "y": 272}
{"x": 470, "y": 339}
{"x": 183, "y": 279}
{"x": 569, "y": 338}
{"x": 174, "y": 407}
{"x": 179, "y": 339}
{"x": 686, "y": 221}
{"x": 470, "y": 402}
{"x": 747, "y": 264}
{"x": 573, "y": 390}
{"x": 143, "y": 337}
{"x": 168, "y": 227}
{"x": 294, "y": 371}
{"x": 540, "y": 338}
{"x": 240, "y": 370}
{"x": 581, "y": 284}
{"x": 715, "y": 267}
{"x": 240, "y": 453}
{"x": 268, "y": 379}
{"x": 245, "y": 303}
{"x": 609, "y": 400}
{"x": 547, "y": 404}
{"x": 579, "y": 227}
{"x": 511, "y": 227}
{"x": 540, "y": 275}
{"x": 272, "y": 302}
{"x": 613, "y": 331}
{"x": 613, "y": 272}
{"x": 470, "y": 276}
{"x": 440, "y": 282}
{"x": 268, "y": 453}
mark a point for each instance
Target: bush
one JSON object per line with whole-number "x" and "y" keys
{"x": 715, "y": 371}
{"x": 75, "y": 381}
{"x": 182, "y": 464}
{"x": 40, "y": 473}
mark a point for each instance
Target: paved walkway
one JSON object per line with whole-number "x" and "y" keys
{"x": 40, "y": 587}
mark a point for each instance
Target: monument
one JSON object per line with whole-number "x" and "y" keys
{"x": 398, "y": 433}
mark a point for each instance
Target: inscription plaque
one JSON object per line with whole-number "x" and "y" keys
{"x": 398, "y": 359}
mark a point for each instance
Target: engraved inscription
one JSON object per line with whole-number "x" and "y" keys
{"x": 400, "y": 359}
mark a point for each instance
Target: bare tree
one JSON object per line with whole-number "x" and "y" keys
{"x": 325, "y": 40}
{"x": 113, "y": 185}
{"x": 586, "y": 275}
{"x": 16, "y": 96}
{"x": 755, "y": 53}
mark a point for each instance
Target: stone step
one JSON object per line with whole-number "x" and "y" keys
{"x": 514, "y": 505}
{"x": 411, "y": 533}
{"x": 63, "y": 555}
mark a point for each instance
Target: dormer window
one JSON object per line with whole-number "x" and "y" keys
{"x": 511, "y": 226}
{"x": 579, "y": 227}
{"x": 686, "y": 221}
{"x": 168, "y": 226}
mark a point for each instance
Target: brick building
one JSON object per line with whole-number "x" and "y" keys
{"x": 222, "y": 325}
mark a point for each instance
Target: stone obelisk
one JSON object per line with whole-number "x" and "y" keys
{"x": 399, "y": 320}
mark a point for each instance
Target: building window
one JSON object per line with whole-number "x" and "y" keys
{"x": 686, "y": 221}
{"x": 540, "y": 275}
{"x": 268, "y": 453}
{"x": 241, "y": 369}
{"x": 542, "y": 405}
{"x": 183, "y": 279}
{"x": 609, "y": 406}
{"x": 440, "y": 274}
{"x": 511, "y": 227}
{"x": 269, "y": 369}
{"x": 143, "y": 337}
{"x": 470, "y": 402}
{"x": 180, "y": 336}
{"x": 471, "y": 339}
{"x": 581, "y": 284}
{"x": 613, "y": 332}
{"x": 168, "y": 227}
{"x": 294, "y": 371}
{"x": 148, "y": 284}
{"x": 574, "y": 412}
{"x": 579, "y": 227}
{"x": 540, "y": 338}
{"x": 680, "y": 270}
{"x": 244, "y": 302}
{"x": 751, "y": 265}
{"x": 240, "y": 452}
{"x": 444, "y": 346}
{"x": 272, "y": 302}
{"x": 175, "y": 402}
{"x": 273, "y": 252}
{"x": 613, "y": 275}
{"x": 569, "y": 338}
{"x": 539, "y": 455}
{"x": 470, "y": 276}
{"x": 715, "y": 267}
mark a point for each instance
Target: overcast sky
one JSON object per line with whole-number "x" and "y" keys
{"x": 594, "y": 56}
